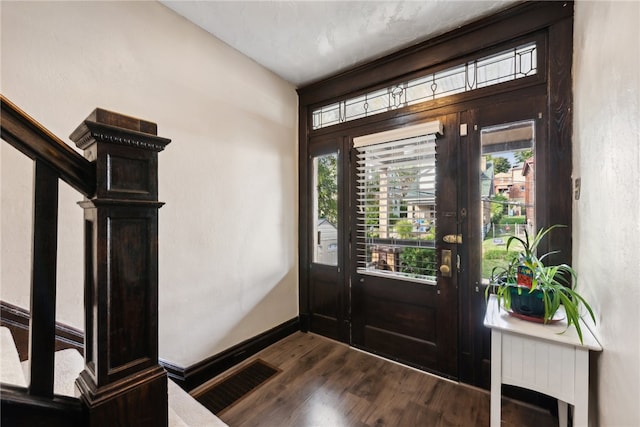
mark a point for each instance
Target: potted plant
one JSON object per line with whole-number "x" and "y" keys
{"x": 529, "y": 288}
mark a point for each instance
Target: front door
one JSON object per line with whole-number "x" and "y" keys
{"x": 404, "y": 234}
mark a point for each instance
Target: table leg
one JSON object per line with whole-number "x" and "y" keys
{"x": 562, "y": 413}
{"x": 581, "y": 405}
{"x": 496, "y": 377}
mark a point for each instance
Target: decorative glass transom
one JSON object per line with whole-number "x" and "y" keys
{"x": 511, "y": 64}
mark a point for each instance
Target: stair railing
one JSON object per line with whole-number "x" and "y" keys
{"x": 122, "y": 383}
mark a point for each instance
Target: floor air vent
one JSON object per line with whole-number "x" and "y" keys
{"x": 238, "y": 385}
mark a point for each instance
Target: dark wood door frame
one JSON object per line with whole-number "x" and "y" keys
{"x": 550, "y": 22}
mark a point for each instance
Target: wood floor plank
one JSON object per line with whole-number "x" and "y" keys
{"x": 419, "y": 415}
{"x": 314, "y": 365}
{"x": 325, "y": 383}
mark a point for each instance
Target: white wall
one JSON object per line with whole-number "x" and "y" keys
{"x": 228, "y": 231}
{"x": 606, "y": 217}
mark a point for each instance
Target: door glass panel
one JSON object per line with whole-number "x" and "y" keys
{"x": 325, "y": 209}
{"x": 396, "y": 208}
{"x": 507, "y": 190}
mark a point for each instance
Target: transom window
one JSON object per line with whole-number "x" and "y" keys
{"x": 510, "y": 64}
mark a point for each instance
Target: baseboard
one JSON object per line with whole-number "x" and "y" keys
{"x": 17, "y": 320}
{"x": 198, "y": 373}
{"x": 305, "y": 322}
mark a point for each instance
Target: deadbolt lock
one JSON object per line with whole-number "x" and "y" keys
{"x": 453, "y": 238}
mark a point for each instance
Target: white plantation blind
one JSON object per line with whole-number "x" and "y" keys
{"x": 396, "y": 177}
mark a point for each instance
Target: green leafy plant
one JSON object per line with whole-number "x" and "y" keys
{"x": 520, "y": 219}
{"x": 418, "y": 261}
{"x": 497, "y": 207}
{"x": 556, "y": 283}
{"x": 404, "y": 228}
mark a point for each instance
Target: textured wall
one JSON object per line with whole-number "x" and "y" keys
{"x": 228, "y": 231}
{"x": 333, "y": 40}
{"x": 606, "y": 217}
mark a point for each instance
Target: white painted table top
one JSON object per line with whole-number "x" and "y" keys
{"x": 499, "y": 318}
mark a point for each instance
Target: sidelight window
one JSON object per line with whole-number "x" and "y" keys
{"x": 325, "y": 201}
{"x": 507, "y": 190}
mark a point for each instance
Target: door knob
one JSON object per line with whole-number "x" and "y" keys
{"x": 445, "y": 268}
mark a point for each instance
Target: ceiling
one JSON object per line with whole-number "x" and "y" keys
{"x": 306, "y": 41}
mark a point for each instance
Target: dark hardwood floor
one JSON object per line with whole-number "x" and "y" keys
{"x": 326, "y": 383}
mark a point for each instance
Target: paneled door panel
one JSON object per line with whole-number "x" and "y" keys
{"x": 325, "y": 300}
{"x": 400, "y": 326}
{"x": 404, "y": 274}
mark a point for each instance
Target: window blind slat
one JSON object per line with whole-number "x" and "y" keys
{"x": 396, "y": 207}
{"x": 387, "y": 149}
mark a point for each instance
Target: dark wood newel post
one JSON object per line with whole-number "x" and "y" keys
{"x": 122, "y": 383}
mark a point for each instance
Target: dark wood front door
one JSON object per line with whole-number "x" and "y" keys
{"x": 404, "y": 292}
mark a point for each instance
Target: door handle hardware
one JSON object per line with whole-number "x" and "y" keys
{"x": 445, "y": 267}
{"x": 453, "y": 238}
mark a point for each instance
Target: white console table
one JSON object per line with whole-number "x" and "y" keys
{"x": 540, "y": 358}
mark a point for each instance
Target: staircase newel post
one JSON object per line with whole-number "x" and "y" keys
{"x": 122, "y": 383}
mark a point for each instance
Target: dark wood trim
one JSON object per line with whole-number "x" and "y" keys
{"x": 17, "y": 320}
{"x": 559, "y": 160}
{"x": 303, "y": 224}
{"x": 192, "y": 376}
{"x": 305, "y": 322}
{"x": 36, "y": 142}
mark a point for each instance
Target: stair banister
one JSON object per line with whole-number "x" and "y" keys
{"x": 53, "y": 160}
{"x": 36, "y": 142}
{"x": 122, "y": 383}
{"x": 122, "y": 380}
{"x": 42, "y": 325}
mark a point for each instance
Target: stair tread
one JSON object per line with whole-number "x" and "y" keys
{"x": 184, "y": 410}
{"x": 68, "y": 364}
{"x": 175, "y": 420}
{"x": 192, "y": 412}
{"x": 11, "y": 371}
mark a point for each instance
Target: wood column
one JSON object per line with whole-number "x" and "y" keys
{"x": 122, "y": 383}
